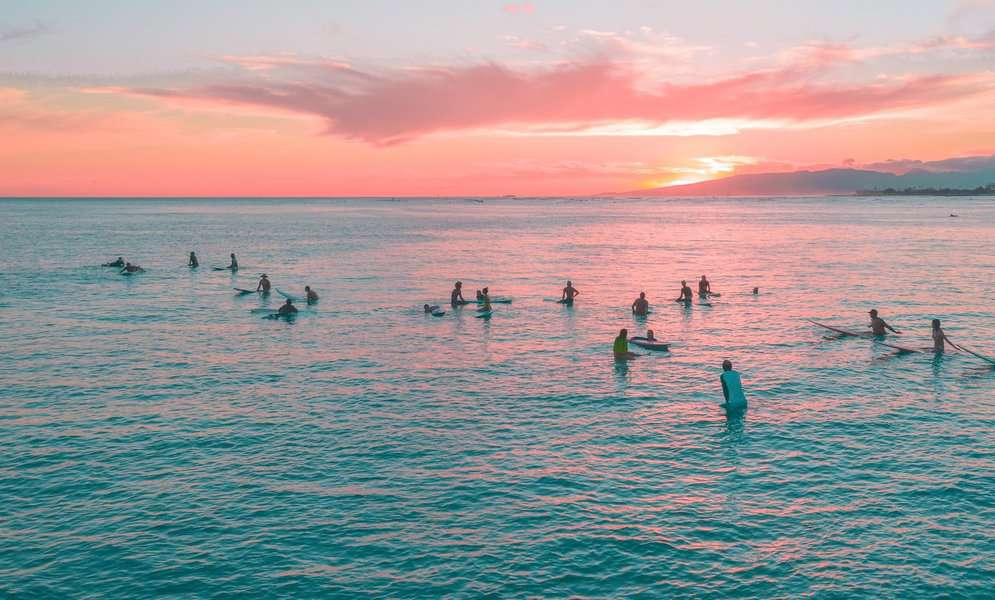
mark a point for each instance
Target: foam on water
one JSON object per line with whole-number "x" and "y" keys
{"x": 158, "y": 438}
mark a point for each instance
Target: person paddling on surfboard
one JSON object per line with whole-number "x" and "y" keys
{"x": 620, "y": 348}
{"x": 193, "y": 263}
{"x": 939, "y": 338}
{"x": 456, "y": 297}
{"x": 687, "y": 296}
{"x": 310, "y": 295}
{"x": 288, "y": 308}
{"x": 704, "y": 288}
{"x": 878, "y": 325}
{"x": 264, "y": 284}
{"x": 732, "y": 388}
{"x": 641, "y": 306}
{"x": 569, "y": 293}
{"x": 117, "y": 263}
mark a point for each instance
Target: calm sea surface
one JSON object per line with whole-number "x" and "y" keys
{"x": 157, "y": 438}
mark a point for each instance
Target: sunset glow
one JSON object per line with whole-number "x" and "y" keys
{"x": 536, "y": 98}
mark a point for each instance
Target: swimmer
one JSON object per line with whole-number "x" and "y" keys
{"x": 311, "y": 295}
{"x": 621, "y": 346}
{"x": 732, "y": 388}
{"x": 641, "y": 306}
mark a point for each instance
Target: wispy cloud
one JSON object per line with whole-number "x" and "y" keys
{"x": 393, "y": 107}
{"x": 36, "y": 29}
{"x": 521, "y": 8}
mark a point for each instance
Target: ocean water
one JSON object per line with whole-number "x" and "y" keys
{"x": 159, "y": 439}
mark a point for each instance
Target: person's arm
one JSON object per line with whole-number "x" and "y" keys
{"x": 892, "y": 329}
{"x": 563, "y": 295}
{"x": 259, "y": 286}
{"x": 725, "y": 389}
{"x": 634, "y": 306}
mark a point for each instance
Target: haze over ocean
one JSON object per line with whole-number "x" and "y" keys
{"x": 156, "y": 438}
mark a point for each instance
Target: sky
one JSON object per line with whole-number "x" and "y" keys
{"x": 425, "y": 98}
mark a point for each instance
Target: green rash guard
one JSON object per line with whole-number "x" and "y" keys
{"x": 621, "y": 345}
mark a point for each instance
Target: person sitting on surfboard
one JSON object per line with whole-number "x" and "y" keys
{"x": 939, "y": 338}
{"x": 732, "y": 388}
{"x": 288, "y": 308}
{"x": 234, "y": 263}
{"x": 192, "y": 263}
{"x": 704, "y": 288}
{"x": 311, "y": 295}
{"x": 130, "y": 268}
{"x": 640, "y": 306}
{"x": 486, "y": 299}
{"x": 686, "y": 294}
{"x": 878, "y": 325}
{"x": 264, "y": 284}
{"x": 117, "y": 263}
{"x": 621, "y": 346}
{"x": 456, "y": 298}
{"x": 569, "y": 293}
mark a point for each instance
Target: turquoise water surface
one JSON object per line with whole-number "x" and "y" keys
{"x": 159, "y": 439}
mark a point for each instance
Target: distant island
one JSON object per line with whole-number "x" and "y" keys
{"x": 981, "y": 190}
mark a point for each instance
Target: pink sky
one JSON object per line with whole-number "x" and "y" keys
{"x": 560, "y": 110}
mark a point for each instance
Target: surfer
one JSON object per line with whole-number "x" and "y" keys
{"x": 456, "y": 297}
{"x": 704, "y": 287}
{"x": 878, "y": 325}
{"x": 264, "y": 284}
{"x": 192, "y": 263}
{"x": 641, "y": 306}
{"x": 234, "y": 263}
{"x": 311, "y": 295}
{"x": 621, "y": 346}
{"x": 650, "y": 336}
{"x": 756, "y": 291}
{"x": 569, "y": 293}
{"x": 117, "y": 263}
{"x": 480, "y": 295}
{"x": 430, "y": 308}
{"x": 288, "y": 308}
{"x": 732, "y": 388}
{"x": 486, "y": 300}
{"x": 686, "y": 294}
{"x": 939, "y": 338}
{"x": 130, "y": 268}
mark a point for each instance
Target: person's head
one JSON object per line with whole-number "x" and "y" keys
{"x": 307, "y": 288}
{"x": 623, "y": 333}
{"x": 459, "y": 284}
{"x": 263, "y": 276}
{"x": 427, "y": 307}
{"x": 120, "y": 258}
{"x": 873, "y": 312}
{"x": 649, "y": 334}
{"x": 727, "y": 365}
{"x": 703, "y": 278}
{"x": 127, "y": 264}
{"x": 569, "y": 283}
{"x": 642, "y": 296}
{"x": 232, "y": 255}
{"x": 683, "y": 282}
{"x": 289, "y": 301}
{"x": 936, "y": 323}
{"x": 756, "y": 290}
{"x": 192, "y": 253}
{"x": 485, "y": 290}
